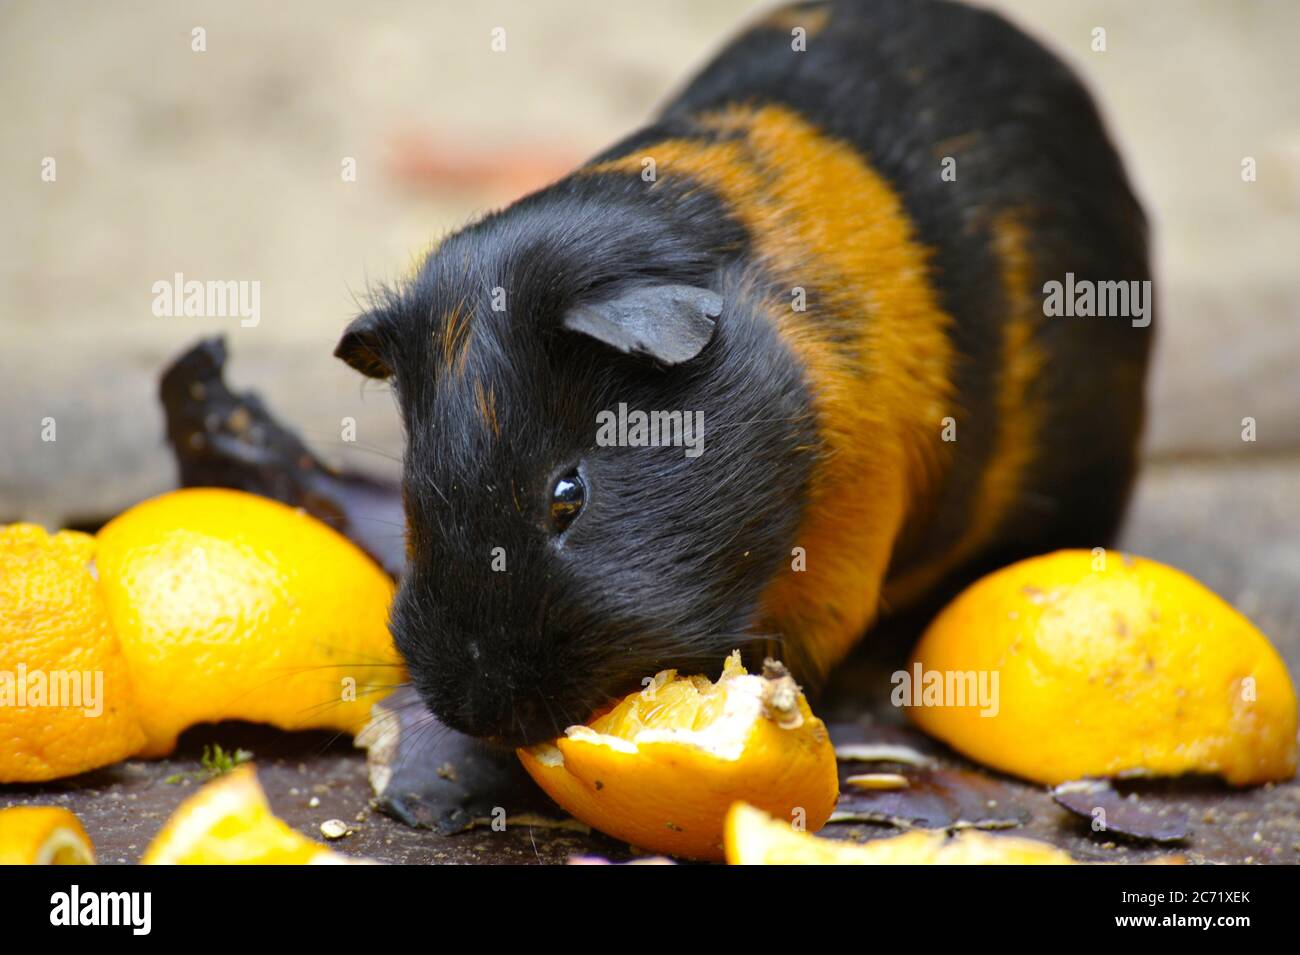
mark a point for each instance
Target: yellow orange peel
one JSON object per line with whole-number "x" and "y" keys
{"x": 660, "y": 769}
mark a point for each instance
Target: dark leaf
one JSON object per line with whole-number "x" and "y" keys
{"x": 223, "y": 439}
{"x": 1108, "y": 811}
{"x": 427, "y": 775}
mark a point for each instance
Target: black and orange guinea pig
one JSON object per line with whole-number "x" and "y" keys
{"x": 828, "y": 257}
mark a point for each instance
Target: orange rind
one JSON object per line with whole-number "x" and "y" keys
{"x": 1108, "y": 665}
{"x": 229, "y": 822}
{"x": 755, "y": 838}
{"x": 43, "y": 835}
{"x": 233, "y": 606}
{"x": 66, "y": 701}
{"x": 660, "y": 769}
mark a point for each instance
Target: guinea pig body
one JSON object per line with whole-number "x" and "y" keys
{"x": 884, "y": 402}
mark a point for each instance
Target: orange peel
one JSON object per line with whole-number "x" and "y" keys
{"x": 755, "y": 838}
{"x": 1110, "y": 665}
{"x": 233, "y": 606}
{"x": 43, "y": 835}
{"x": 660, "y": 769}
{"x": 66, "y": 701}
{"x": 229, "y": 822}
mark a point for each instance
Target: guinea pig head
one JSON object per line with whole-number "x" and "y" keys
{"x": 599, "y": 480}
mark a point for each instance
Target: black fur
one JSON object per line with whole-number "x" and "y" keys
{"x": 664, "y": 565}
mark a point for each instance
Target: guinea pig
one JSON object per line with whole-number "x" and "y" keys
{"x": 828, "y": 256}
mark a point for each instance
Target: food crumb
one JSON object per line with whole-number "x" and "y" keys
{"x": 334, "y": 829}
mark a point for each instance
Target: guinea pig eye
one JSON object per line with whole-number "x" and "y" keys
{"x": 567, "y": 498}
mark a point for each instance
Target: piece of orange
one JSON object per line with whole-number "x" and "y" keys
{"x": 1110, "y": 665}
{"x": 43, "y": 835}
{"x": 755, "y": 838}
{"x": 66, "y": 700}
{"x": 233, "y": 606}
{"x": 660, "y": 769}
{"x": 229, "y": 822}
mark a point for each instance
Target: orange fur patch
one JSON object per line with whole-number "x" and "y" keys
{"x": 455, "y": 339}
{"x": 486, "y": 402}
{"x": 812, "y": 19}
{"x": 1018, "y": 419}
{"x": 874, "y": 345}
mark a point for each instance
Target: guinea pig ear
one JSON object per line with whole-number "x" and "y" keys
{"x": 669, "y": 323}
{"x": 359, "y": 347}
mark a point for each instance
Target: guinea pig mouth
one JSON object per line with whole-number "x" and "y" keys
{"x": 498, "y": 721}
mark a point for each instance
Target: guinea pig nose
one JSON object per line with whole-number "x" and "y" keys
{"x": 498, "y": 716}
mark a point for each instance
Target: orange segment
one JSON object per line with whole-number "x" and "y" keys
{"x": 660, "y": 769}
{"x": 43, "y": 835}
{"x": 232, "y": 606}
{"x": 755, "y": 838}
{"x": 1110, "y": 665}
{"x": 66, "y": 701}
{"x": 229, "y": 822}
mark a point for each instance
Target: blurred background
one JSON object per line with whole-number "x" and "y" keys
{"x": 226, "y": 164}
